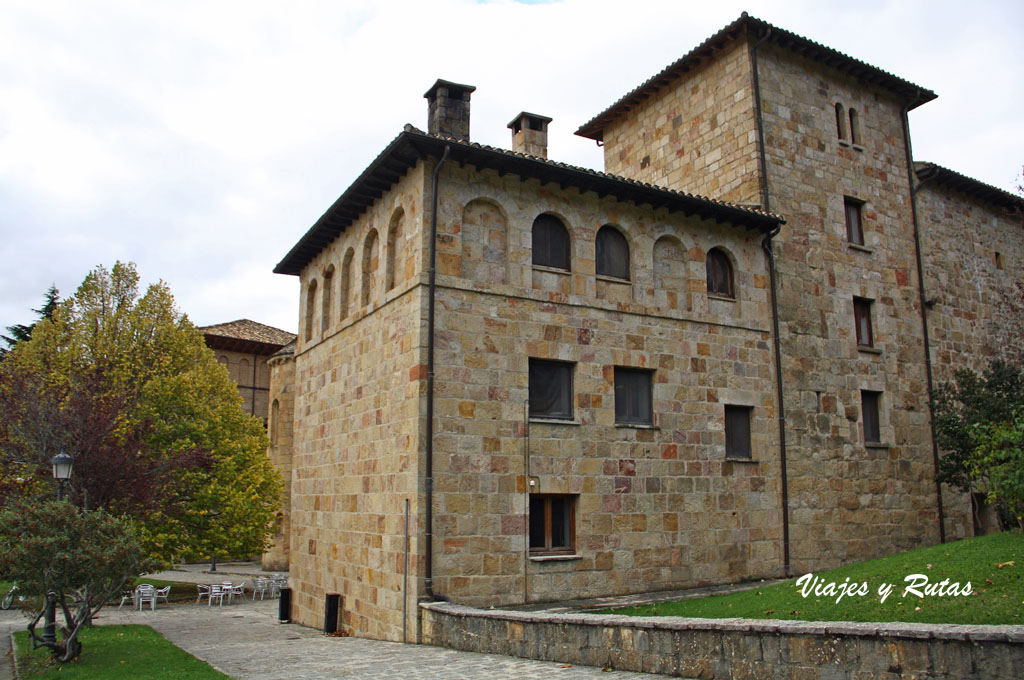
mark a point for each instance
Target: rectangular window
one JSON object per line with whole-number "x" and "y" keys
{"x": 854, "y": 226}
{"x": 550, "y": 389}
{"x": 862, "y": 319}
{"x": 552, "y": 524}
{"x": 633, "y": 396}
{"x": 869, "y": 405}
{"x": 737, "y": 432}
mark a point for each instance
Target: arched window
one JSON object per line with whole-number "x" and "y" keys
{"x": 275, "y": 409}
{"x": 345, "y": 293}
{"x": 719, "y": 274}
{"x": 840, "y": 122}
{"x": 550, "y": 243}
{"x": 395, "y": 265}
{"x": 854, "y": 128}
{"x": 325, "y": 311}
{"x": 310, "y": 301}
{"x": 612, "y": 253}
{"x": 369, "y": 266}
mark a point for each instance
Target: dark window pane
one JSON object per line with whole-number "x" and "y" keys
{"x": 737, "y": 432}
{"x": 612, "y": 253}
{"x": 869, "y": 404}
{"x": 862, "y": 320}
{"x": 560, "y": 531}
{"x": 633, "y": 396}
{"x": 537, "y": 533}
{"x": 550, "y": 243}
{"x": 719, "y": 273}
{"x": 854, "y": 228}
{"x": 550, "y": 389}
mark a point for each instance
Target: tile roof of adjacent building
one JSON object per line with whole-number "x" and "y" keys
{"x": 936, "y": 174}
{"x": 245, "y": 332}
{"x": 412, "y": 145}
{"x": 907, "y": 91}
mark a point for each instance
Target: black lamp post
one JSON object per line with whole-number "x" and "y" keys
{"x": 62, "y": 464}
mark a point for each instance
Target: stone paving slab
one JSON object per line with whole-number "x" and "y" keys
{"x": 246, "y": 641}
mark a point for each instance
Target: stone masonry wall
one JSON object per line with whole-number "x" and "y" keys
{"x": 358, "y": 420}
{"x": 735, "y": 648}
{"x": 657, "y": 507}
{"x": 974, "y": 271}
{"x": 698, "y": 133}
{"x": 849, "y": 500}
{"x": 282, "y": 447}
{"x": 974, "y": 268}
{"x": 240, "y": 368}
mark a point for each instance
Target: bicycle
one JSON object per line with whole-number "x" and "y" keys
{"x": 8, "y": 598}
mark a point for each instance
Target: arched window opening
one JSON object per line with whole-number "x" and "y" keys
{"x": 275, "y": 408}
{"x": 854, "y": 127}
{"x": 345, "y": 294}
{"x": 370, "y": 263}
{"x": 325, "y": 312}
{"x": 550, "y": 243}
{"x": 612, "y": 253}
{"x": 310, "y": 301}
{"x": 840, "y": 122}
{"x": 719, "y": 274}
{"x": 395, "y": 265}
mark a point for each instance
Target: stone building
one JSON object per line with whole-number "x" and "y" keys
{"x": 243, "y": 347}
{"x": 518, "y": 380}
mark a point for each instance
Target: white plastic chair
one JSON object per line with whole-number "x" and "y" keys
{"x": 204, "y": 591}
{"x": 127, "y": 595}
{"x": 237, "y": 590}
{"x": 163, "y": 592}
{"x": 144, "y": 593}
{"x": 261, "y": 586}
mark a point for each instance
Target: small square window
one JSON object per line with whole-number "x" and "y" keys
{"x": 633, "y": 396}
{"x": 737, "y": 432}
{"x": 862, "y": 319}
{"x": 550, "y": 389}
{"x": 552, "y": 524}
{"x": 870, "y": 406}
{"x": 854, "y": 224}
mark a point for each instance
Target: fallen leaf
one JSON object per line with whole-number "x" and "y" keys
{"x": 1000, "y": 565}
{"x": 770, "y": 611}
{"x": 565, "y": 665}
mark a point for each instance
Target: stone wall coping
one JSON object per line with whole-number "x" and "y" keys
{"x": 917, "y": 631}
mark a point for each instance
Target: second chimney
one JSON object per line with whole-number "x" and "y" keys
{"x": 530, "y": 134}
{"x": 448, "y": 109}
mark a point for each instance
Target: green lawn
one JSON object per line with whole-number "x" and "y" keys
{"x": 994, "y": 566}
{"x": 116, "y": 653}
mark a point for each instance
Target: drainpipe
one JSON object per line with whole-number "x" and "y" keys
{"x": 432, "y": 272}
{"x": 766, "y": 245}
{"x": 904, "y": 119}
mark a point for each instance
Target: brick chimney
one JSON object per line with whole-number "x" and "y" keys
{"x": 530, "y": 134}
{"x": 448, "y": 109}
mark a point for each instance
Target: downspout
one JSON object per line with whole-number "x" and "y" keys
{"x": 766, "y": 245}
{"x": 431, "y": 287}
{"x": 904, "y": 119}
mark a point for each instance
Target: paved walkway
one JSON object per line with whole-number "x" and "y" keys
{"x": 245, "y": 641}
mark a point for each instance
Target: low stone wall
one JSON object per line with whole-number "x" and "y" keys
{"x": 734, "y": 648}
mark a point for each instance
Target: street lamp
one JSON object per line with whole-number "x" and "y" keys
{"x": 62, "y": 464}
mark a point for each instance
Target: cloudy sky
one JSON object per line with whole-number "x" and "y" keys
{"x": 201, "y": 139}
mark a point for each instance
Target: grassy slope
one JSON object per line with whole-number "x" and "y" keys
{"x": 997, "y": 597}
{"x": 117, "y": 653}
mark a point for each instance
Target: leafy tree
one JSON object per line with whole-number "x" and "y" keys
{"x": 21, "y": 332}
{"x": 83, "y": 558}
{"x": 973, "y": 401}
{"x": 126, "y": 384}
{"x": 999, "y": 460}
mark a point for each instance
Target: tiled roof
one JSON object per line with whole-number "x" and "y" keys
{"x": 249, "y": 331}
{"x": 413, "y": 144}
{"x": 906, "y": 91}
{"x": 936, "y": 174}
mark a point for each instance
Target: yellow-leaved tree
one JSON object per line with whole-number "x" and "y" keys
{"x": 125, "y": 384}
